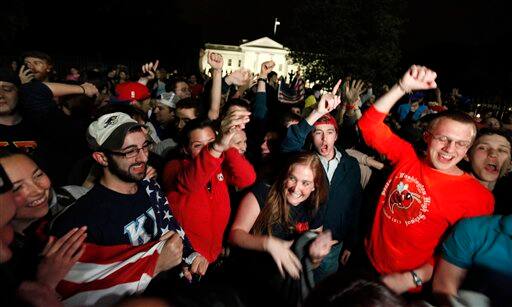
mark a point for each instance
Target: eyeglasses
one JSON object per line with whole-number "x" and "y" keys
{"x": 133, "y": 152}
{"x": 443, "y": 139}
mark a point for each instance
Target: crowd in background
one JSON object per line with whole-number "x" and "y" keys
{"x": 249, "y": 189}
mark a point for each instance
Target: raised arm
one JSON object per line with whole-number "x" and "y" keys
{"x": 38, "y": 96}
{"x": 215, "y": 61}
{"x": 239, "y": 171}
{"x": 200, "y": 65}
{"x": 350, "y": 106}
{"x": 369, "y": 93}
{"x": 198, "y": 172}
{"x": 61, "y": 89}
{"x": 260, "y": 102}
{"x": 375, "y": 132}
{"x": 328, "y": 103}
{"x": 233, "y": 122}
{"x": 238, "y": 77}
{"x": 296, "y": 134}
{"x": 415, "y": 78}
{"x": 148, "y": 72}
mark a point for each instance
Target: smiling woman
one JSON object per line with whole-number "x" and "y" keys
{"x": 31, "y": 189}
{"x": 280, "y": 213}
{"x": 302, "y": 183}
{"x": 36, "y": 204}
{"x": 270, "y": 220}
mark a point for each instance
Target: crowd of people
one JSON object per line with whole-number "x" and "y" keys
{"x": 246, "y": 189}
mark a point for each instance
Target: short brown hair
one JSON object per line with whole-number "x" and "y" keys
{"x": 38, "y": 55}
{"x": 492, "y": 131}
{"x": 457, "y": 116}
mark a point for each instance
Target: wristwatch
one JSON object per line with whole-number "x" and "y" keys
{"x": 417, "y": 280}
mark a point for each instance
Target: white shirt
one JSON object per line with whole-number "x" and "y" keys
{"x": 330, "y": 165}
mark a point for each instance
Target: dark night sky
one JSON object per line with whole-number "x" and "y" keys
{"x": 462, "y": 40}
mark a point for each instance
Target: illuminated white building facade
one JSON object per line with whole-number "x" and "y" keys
{"x": 251, "y": 55}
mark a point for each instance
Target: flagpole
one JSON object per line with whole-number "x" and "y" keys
{"x": 276, "y": 23}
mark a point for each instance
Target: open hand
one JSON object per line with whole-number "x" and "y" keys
{"x": 283, "y": 256}
{"x": 353, "y": 91}
{"x": 60, "y": 255}
{"x": 321, "y": 246}
{"x": 26, "y": 75}
{"x": 239, "y": 77}
{"x": 149, "y": 70}
{"x": 233, "y": 122}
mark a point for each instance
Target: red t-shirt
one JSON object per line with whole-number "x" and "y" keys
{"x": 418, "y": 203}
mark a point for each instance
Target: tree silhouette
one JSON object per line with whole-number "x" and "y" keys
{"x": 333, "y": 38}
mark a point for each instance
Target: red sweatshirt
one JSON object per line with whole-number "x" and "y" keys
{"x": 418, "y": 203}
{"x": 198, "y": 193}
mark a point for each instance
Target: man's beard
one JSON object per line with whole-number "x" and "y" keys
{"x": 125, "y": 176}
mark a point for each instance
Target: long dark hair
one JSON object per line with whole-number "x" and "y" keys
{"x": 276, "y": 210}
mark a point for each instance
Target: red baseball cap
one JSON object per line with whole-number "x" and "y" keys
{"x": 130, "y": 91}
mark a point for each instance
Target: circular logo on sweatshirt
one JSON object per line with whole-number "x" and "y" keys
{"x": 406, "y": 200}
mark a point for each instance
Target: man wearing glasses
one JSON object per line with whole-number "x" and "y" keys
{"x": 122, "y": 211}
{"x": 423, "y": 196}
{"x": 120, "y": 145}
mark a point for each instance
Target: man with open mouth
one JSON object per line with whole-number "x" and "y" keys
{"x": 489, "y": 161}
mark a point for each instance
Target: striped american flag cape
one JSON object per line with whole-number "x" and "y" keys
{"x": 105, "y": 274}
{"x": 293, "y": 92}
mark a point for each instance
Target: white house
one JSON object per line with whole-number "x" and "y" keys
{"x": 251, "y": 54}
